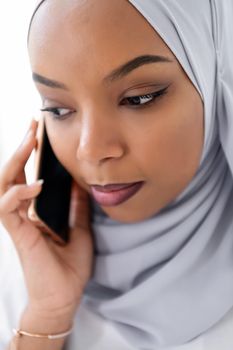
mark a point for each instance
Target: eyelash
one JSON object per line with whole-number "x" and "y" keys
{"x": 54, "y": 111}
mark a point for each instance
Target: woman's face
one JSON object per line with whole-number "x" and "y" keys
{"x": 110, "y": 123}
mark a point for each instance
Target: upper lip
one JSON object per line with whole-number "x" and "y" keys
{"x": 113, "y": 187}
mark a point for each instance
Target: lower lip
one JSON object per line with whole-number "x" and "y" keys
{"x": 109, "y": 199}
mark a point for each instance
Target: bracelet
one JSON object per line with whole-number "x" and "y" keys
{"x": 18, "y": 333}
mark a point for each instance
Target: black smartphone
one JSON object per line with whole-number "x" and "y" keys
{"x": 51, "y": 208}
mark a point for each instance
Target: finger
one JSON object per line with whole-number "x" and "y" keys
{"x": 21, "y": 178}
{"x": 15, "y": 166}
{"x": 32, "y": 127}
{"x": 9, "y": 205}
{"x": 23, "y": 210}
{"x": 14, "y": 197}
{"x": 79, "y": 208}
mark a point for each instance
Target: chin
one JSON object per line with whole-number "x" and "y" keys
{"x": 127, "y": 216}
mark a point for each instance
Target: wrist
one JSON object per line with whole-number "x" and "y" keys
{"x": 18, "y": 333}
{"x": 38, "y": 322}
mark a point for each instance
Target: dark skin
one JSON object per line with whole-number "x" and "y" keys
{"x": 102, "y": 137}
{"x": 100, "y": 140}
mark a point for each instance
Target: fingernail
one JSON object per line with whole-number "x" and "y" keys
{"x": 37, "y": 183}
{"x": 33, "y": 121}
{"x": 40, "y": 182}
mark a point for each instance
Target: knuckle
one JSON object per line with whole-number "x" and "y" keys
{"x": 5, "y": 183}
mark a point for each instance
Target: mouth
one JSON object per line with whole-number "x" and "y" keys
{"x": 115, "y": 194}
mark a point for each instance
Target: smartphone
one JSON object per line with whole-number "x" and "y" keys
{"x": 50, "y": 209}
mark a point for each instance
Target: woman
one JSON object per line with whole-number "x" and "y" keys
{"x": 134, "y": 93}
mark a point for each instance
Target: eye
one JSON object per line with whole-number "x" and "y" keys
{"x": 58, "y": 113}
{"x": 143, "y": 100}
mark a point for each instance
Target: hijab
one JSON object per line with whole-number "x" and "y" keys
{"x": 168, "y": 279}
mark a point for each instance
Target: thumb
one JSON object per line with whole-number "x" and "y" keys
{"x": 80, "y": 211}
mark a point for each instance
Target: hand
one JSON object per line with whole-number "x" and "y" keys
{"x": 55, "y": 275}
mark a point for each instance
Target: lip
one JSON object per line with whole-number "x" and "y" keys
{"x": 115, "y": 194}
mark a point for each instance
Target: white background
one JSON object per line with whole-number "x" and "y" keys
{"x": 19, "y": 101}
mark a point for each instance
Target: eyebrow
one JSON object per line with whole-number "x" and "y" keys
{"x": 136, "y": 62}
{"x": 48, "y": 82}
{"x": 116, "y": 74}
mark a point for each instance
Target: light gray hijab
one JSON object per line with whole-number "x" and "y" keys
{"x": 168, "y": 279}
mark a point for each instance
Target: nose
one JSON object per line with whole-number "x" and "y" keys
{"x": 100, "y": 140}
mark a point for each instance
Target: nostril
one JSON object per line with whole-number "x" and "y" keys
{"x": 99, "y": 153}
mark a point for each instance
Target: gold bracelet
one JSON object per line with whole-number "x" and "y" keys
{"x": 19, "y": 333}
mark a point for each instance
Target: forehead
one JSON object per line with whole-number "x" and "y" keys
{"x": 83, "y": 32}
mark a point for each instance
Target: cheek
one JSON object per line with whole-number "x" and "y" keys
{"x": 171, "y": 148}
